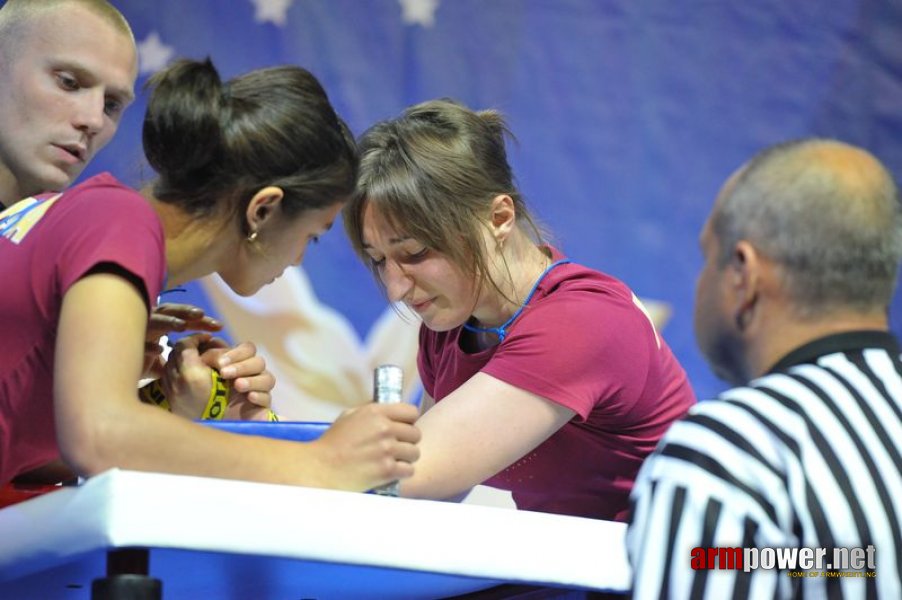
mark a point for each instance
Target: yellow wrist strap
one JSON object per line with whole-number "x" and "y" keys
{"x": 153, "y": 393}
{"x": 219, "y": 399}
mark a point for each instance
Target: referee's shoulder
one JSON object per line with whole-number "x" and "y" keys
{"x": 735, "y": 403}
{"x": 738, "y": 419}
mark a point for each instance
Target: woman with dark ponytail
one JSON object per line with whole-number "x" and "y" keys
{"x": 250, "y": 171}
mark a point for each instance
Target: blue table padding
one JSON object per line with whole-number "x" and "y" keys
{"x": 298, "y": 431}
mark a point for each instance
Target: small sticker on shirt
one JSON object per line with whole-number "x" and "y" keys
{"x": 17, "y": 220}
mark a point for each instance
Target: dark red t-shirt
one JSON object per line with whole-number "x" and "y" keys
{"x": 46, "y": 245}
{"x": 583, "y": 342}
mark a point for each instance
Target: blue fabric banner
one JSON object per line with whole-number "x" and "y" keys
{"x": 629, "y": 115}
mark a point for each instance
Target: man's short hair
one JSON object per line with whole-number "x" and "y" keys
{"x": 835, "y": 231}
{"x": 16, "y": 13}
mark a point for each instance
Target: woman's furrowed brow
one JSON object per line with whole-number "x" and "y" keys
{"x": 391, "y": 242}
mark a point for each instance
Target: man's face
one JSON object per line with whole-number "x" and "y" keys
{"x": 715, "y": 329}
{"x": 64, "y": 82}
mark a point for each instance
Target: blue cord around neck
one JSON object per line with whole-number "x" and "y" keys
{"x": 165, "y": 290}
{"x": 501, "y": 332}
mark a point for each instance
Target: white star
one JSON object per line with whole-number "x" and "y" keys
{"x": 153, "y": 54}
{"x": 271, "y": 10}
{"x": 419, "y": 12}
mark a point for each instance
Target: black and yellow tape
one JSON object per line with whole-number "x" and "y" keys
{"x": 153, "y": 393}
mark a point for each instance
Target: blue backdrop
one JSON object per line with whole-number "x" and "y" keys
{"x": 629, "y": 113}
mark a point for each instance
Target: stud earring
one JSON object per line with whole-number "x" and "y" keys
{"x": 252, "y": 237}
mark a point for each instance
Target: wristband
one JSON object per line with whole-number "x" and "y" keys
{"x": 219, "y": 398}
{"x": 153, "y": 393}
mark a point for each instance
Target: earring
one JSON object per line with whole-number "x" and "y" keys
{"x": 252, "y": 237}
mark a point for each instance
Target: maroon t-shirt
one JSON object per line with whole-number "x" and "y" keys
{"x": 46, "y": 245}
{"x": 584, "y": 342}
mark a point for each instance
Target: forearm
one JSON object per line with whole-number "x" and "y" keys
{"x": 440, "y": 481}
{"x": 468, "y": 438}
{"x": 101, "y": 424}
{"x": 144, "y": 438}
{"x": 451, "y": 464}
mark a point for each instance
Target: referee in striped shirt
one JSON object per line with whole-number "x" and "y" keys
{"x": 801, "y": 250}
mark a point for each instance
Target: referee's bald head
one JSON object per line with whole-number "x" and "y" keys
{"x": 827, "y": 212}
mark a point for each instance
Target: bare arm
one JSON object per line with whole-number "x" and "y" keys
{"x": 476, "y": 432}
{"x": 426, "y": 402}
{"x": 101, "y": 424}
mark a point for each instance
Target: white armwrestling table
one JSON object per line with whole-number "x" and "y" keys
{"x": 215, "y": 538}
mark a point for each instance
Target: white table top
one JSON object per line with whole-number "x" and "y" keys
{"x": 234, "y": 539}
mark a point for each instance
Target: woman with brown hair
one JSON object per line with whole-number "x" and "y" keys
{"x": 541, "y": 376}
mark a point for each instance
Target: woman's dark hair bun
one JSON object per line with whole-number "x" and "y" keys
{"x": 182, "y": 126}
{"x": 215, "y": 144}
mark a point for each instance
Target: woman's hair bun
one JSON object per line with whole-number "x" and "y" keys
{"x": 182, "y": 126}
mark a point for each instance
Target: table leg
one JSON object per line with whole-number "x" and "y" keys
{"x": 127, "y": 577}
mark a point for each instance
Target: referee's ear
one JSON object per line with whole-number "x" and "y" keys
{"x": 744, "y": 280}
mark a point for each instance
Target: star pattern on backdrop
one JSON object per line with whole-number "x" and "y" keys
{"x": 153, "y": 54}
{"x": 271, "y": 11}
{"x": 418, "y": 12}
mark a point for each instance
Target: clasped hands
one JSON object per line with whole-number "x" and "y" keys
{"x": 185, "y": 375}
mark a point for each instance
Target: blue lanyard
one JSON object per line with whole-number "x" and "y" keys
{"x": 501, "y": 332}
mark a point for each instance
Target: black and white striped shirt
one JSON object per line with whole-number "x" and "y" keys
{"x": 808, "y": 456}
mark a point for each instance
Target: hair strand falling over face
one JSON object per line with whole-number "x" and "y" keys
{"x": 432, "y": 173}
